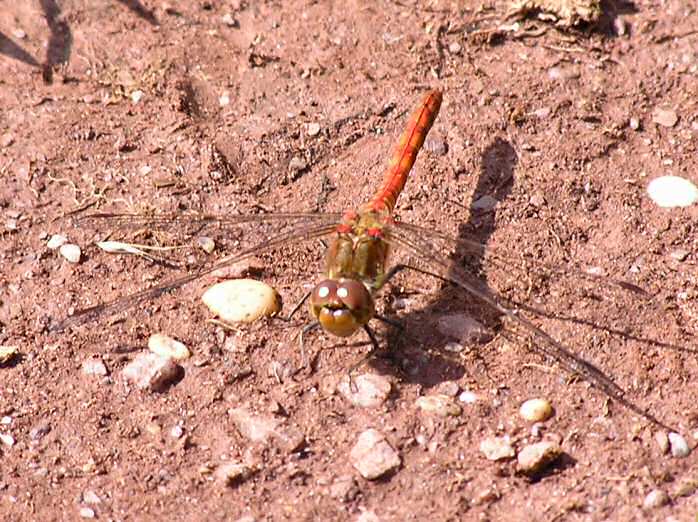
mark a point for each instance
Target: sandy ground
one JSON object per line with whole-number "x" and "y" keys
{"x": 542, "y": 151}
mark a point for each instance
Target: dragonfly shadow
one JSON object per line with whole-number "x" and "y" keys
{"x": 426, "y": 362}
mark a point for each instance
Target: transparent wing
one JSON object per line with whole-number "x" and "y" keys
{"x": 424, "y": 245}
{"x": 295, "y": 228}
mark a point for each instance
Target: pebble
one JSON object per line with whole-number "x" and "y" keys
{"x": 366, "y": 391}
{"x": 679, "y": 446}
{"x": 6, "y": 140}
{"x": 86, "y": 512}
{"x": 534, "y": 457}
{"x": 536, "y": 410}
{"x": 468, "y": 397}
{"x": 242, "y": 300}
{"x": 20, "y": 34}
{"x": 228, "y": 20}
{"x": 454, "y": 48}
{"x": 560, "y": 74}
{"x": 39, "y": 431}
{"x": 176, "y": 432}
{"x": 262, "y": 428}
{"x": 537, "y": 201}
{"x": 436, "y": 145}
{"x": 150, "y": 371}
{"x": 313, "y": 129}
{"x": 655, "y": 498}
{"x": 56, "y": 241}
{"x": 664, "y": 117}
{"x": 344, "y": 488}
{"x": 70, "y": 252}
{"x": 441, "y": 405}
{"x": 672, "y": 191}
{"x": 497, "y": 448}
{"x": 484, "y": 203}
{"x": 297, "y": 164}
{"x": 136, "y": 96}
{"x": 373, "y": 456}
{"x": 680, "y": 255}
{"x": 166, "y": 346}
{"x": 662, "y": 441}
{"x": 7, "y": 440}
{"x": 463, "y": 328}
{"x": 6, "y": 420}
{"x": 224, "y": 99}
{"x": 368, "y": 516}
{"x": 634, "y": 123}
{"x": 448, "y": 388}
{"x": 7, "y": 353}
{"x": 542, "y": 113}
{"x": 206, "y": 244}
{"x": 94, "y": 366}
{"x": 233, "y": 474}
{"x": 90, "y": 497}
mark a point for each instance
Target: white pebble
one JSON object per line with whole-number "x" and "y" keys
{"x": 136, "y": 96}
{"x": 70, "y": 252}
{"x": 206, "y": 244}
{"x": 7, "y": 440}
{"x": 56, "y": 241}
{"x": 664, "y": 117}
{"x": 264, "y": 428}
{"x": 366, "y": 391}
{"x": 224, "y": 99}
{"x": 150, "y": 371}
{"x": 166, "y": 346}
{"x": 655, "y": 498}
{"x": 679, "y": 446}
{"x": 233, "y": 473}
{"x": 672, "y": 191}
{"x": 662, "y": 441}
{"x": 534, "y": 457}
{"x": 536, "y": 410}
{"x": 6, "y": 420}
{"x": 313, "y": 129}
{"x": 468, "y": 397}
{"x": 94, "y": 366}
{"x": 86, "y": 512}
{"x": 441, "y": 405}
{"x": 177, "y": 431}
{"x": 242, "y": 300}
{"x": 497, "y": 448}
{"x": 7, "y": 353}
{"x": 373, "y": 456}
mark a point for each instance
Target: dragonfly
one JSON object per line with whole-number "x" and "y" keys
{"x": 357, "y": 260}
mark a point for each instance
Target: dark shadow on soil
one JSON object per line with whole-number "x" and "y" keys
{"x": 136, "y": 7}
{"x": 60, "y": 41}
{"x": 11, "y": 49}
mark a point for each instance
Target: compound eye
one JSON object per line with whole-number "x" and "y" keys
{"x": 353, "y": 294}
{"x": 324, "y": 293}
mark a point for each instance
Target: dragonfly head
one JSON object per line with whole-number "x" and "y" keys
{"x": 341, "y": 306}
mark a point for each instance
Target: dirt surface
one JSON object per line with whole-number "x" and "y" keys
{"x": 240, "y": 107}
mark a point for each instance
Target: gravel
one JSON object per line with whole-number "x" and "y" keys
{"x": 373, "y": 456}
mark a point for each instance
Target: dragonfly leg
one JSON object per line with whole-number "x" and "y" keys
{"x": 398, "y": 268}
{"x": 298, "y": 305}
{"x": 307, "y": 328}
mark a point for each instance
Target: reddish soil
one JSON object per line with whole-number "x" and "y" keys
{"x": 539, "y": 119}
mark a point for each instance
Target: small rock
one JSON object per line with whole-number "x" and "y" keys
{"x": 655, "y": 498}
{"x": 176, "y": 432}
{"x": 145, "y": 170}
{"x": 259, "y": 428}
{"x": 224, "y": 99}
{"x": 7, "y": 440}
{"x": 497, "y": 448}
{"x": 447, "y": 388}
{"x": 454, "y": 48}
{"x": 150, "y": 371}
{"x": 228, "y": 20}
{"x": 206, "y": 244}
{"x": 166, "y": 346}
{"x": 484, "y": 203}
{"x": 313, "y": 129}
{"x": 536, "y": 410}
{"x": 94, "y": 366}
{"x": 86, "y": 512}
{"x": 679, "y": 446}
{"x": 20, "y": 34}
{"x": 6, "y": 420}
{"x": 672, "y": 191}
{"x": 39, "y": 431}
{"x": 344, "y": 488}
{"x": 90, "y": 497}
{"x": 468, "y": 397}
{"x": 664, "y": 117}
{"x": 242, "y": 300}
{"x": 70, "y": 252}
{"x": 136, "y": 96}
{"x": 368, "y": 516}
{"x": 463, "y": 328}
{"x": 680, "y": 255}
{"x": 297, "y": 164}
{"x": 366, "y": 391}
{"x": 560, "y": 74}
{"x": 537, "y": 201}
{"x": 453, "y": 347}
{"x": 542, "y": 113}
{"x": 634, "y": 123}
{"x": 56, "y": 241}
{"x": 662, "y": 441}
{"x": 534, "y": 457}
{"x": 233, "y": 474}
{"x": 373, "y": 456}
{"x": 441, "y": 405}
{"x": 7, "y": 353}
{"x": 6, "y": 140}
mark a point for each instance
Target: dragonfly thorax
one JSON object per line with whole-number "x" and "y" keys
{"x": 342, "y": 305}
